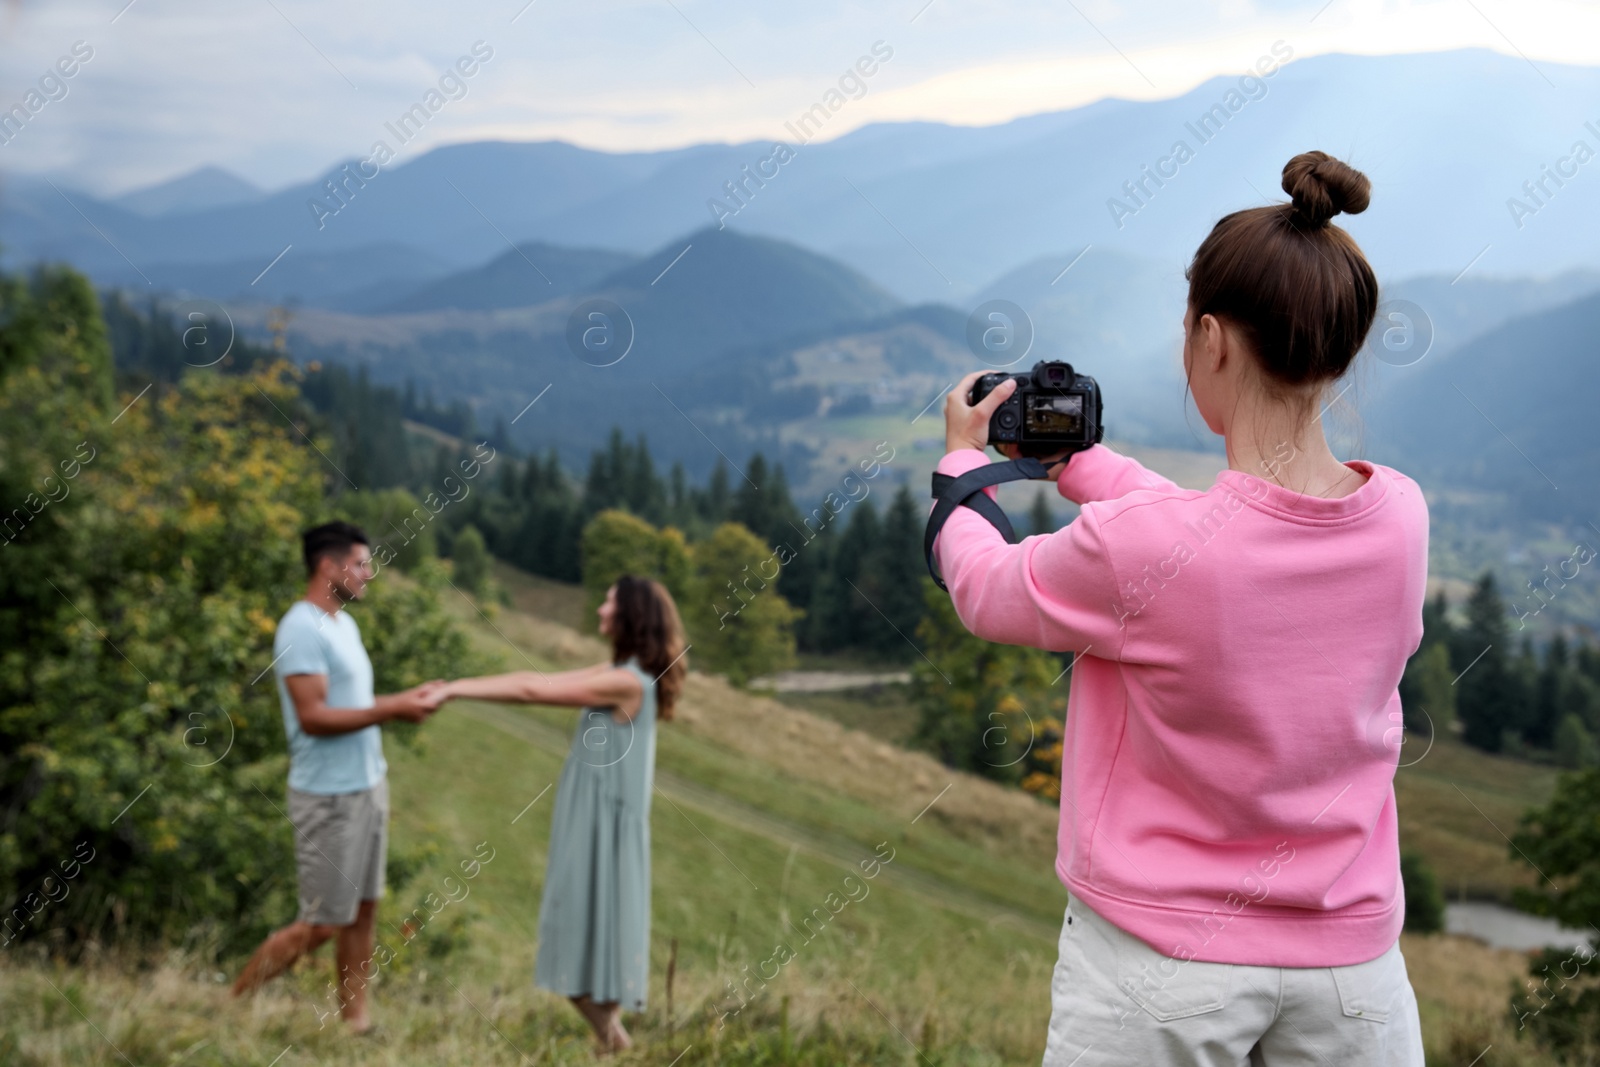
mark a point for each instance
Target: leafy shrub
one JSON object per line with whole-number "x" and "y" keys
{"x": 737, "y": 621}
{"x": 1424, "y": 901}
{"x": 992, "y": 709}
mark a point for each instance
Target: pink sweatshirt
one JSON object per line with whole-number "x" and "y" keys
{"x": 1227, "y": 782}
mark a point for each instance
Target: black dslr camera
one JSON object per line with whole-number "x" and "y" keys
{"x": 1054, "y": 409}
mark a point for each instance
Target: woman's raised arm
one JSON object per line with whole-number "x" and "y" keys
{"x": 585, "y": 687}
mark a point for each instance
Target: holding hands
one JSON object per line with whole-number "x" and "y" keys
{"x": 420, "y": 701}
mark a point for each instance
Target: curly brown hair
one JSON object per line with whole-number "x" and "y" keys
{"x": 647, "y": 625}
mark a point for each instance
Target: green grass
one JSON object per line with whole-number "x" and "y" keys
{"x": 885, "y": 711}
{"x": 1457, "y": 807}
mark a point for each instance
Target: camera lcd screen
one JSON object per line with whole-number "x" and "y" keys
{"x": 1051, "y": 417}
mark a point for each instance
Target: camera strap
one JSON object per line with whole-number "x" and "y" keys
{"x": 966, "y": 490}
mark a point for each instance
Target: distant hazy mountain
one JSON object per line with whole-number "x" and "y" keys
{"x": 198, "y": 190}
{"x": 1512, "y": 411}
{"x": 715, "y": 290}
{"x": 932, "y": 211}
{"x": 431, "y": 201}
{"x": 706, "y": 312}
{"x": 1460, "y": 310}
{"x": 531, "y": 273}
{"x": 340, "y": 278}
{"x": 1117, "y": 318}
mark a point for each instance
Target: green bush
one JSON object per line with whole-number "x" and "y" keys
{"x": 1560, "y": 1006}
{"x": 471, "y": 561}
{"x": 1424, "y": 901}
{"x": 738, "y": 621}
{"x": 987, "y": 708}
{"x": 741, "y": 635}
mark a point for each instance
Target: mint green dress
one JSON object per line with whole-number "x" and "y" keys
{"x": 594, "y": 919}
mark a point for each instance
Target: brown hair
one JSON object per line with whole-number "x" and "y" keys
{"x": 1298, "y": 288}
{"x": 647, "y": 625}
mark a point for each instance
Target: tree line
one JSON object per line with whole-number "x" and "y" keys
{"x": 1500, "y": 693}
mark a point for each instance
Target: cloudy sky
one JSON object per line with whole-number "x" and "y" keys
{"x": 276, "y": 90}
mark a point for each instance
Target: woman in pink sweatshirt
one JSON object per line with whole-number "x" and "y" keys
{"x": 1228, "y": 834}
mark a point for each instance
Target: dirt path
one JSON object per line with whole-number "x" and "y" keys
{"x": 827, "y": 681}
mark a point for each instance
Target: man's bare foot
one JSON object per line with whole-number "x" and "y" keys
{"x": 278, "y": 953}
{"x": 256, "y": 973}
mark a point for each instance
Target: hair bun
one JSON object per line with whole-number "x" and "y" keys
{"x": 1321, "y": 187}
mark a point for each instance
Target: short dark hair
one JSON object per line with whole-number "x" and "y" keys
{"x": 335, "y": 538}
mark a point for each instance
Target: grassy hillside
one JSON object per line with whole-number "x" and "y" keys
{"x": 762, "y": 811}
{"x": 1458, "y": 805}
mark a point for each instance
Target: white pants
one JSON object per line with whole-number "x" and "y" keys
{"x": 1116, "y": 1000}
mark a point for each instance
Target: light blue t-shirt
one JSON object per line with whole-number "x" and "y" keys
{"x": 310, "y": 641}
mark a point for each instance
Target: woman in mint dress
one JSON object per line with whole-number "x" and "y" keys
{"x": 594, "y": 919}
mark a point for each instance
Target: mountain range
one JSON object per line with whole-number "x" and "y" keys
{"x": 931, "y": 211}
{"x": 837, "y": 298}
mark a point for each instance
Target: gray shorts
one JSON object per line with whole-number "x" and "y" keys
{"x": 341, "y": 844}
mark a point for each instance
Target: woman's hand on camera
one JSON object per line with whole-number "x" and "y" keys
{"x": 1054, "y": 465}
{"x": 967, "y": 425}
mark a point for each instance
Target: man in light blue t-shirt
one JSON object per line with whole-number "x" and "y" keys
{"x": 338, "y": 784}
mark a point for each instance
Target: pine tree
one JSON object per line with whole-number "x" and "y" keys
{"x": 1487, "y": 701}
{"x": 1436, "y": 624}
{"x": 799, "y": 576}
{"x": 645, "y": 495}
{"x": 848, "y": 614}
{"x": 678, "y": 496}
{"x": 1588, "y": 661}
{"x": 716, "y": 498}
{"x": 1549, "y": 691}
{"x": 501, "y": 438}
{"x": 508, "y": 476}
{"x": 607, "y": 483}
{"x": 1524, "y": 683}
{"x": 899, "y": 561}
{"x": 750, "y": 506}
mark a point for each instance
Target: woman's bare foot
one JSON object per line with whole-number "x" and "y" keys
{"x": 620, "y": 1038}
{"x": 595, "y": 1015}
